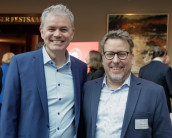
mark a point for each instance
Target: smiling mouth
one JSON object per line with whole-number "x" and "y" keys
{"x": 116, "y": 68}
{"x": 57, "y": 41}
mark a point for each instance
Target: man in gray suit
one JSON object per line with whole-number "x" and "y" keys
{"x": 121, "y": 105}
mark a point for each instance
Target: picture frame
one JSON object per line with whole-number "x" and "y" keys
{"x": 146, "y": 30}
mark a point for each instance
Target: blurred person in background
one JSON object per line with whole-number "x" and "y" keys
{"x": 94, "y": 61}
{"x": 167, "y": 60}
{"x": 1, "y": 73}
{"x": 5, "y": 65}
{"x": 39, "y": 45}
{"x": 157, "y": 71}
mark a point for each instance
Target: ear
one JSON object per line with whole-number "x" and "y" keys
{"x": 73, "y": 32}
{"x": 41, "y": 32}
{"x": 132, "y": 59}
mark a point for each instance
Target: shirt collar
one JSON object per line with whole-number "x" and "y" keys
{"x": 47, "y": 58}
{"x": 157, "y": 59}
{"x": 126, "y": 82}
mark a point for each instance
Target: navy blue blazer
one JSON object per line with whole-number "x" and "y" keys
{"x": 161, "y": 74}
{"x": 146, "y": 100}
{"x": 25, "y": 105}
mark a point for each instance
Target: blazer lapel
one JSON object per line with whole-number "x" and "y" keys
{"x": 95, "y": 103}
{"x": 134, "y": 92}
{"x": 38, "y": 66}
{"x": 76, "y": 82}
{"x": 75, "y": 76}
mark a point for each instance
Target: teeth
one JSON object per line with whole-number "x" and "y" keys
{"x": 57, "y": 40}
{"x": 115, "y": 68}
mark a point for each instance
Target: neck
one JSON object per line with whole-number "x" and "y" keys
{"x": 59, "y": 61}
{"x": 114, "y": 85}
{"x": 161, "y": 59}
{"x": 59, "y": 57}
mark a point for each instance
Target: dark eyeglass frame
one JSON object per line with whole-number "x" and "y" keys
{"x": 114, "y": 53}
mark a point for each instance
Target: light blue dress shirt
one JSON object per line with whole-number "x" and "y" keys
{"x": 60, "y": 94}
{"x": 111, "y": 110}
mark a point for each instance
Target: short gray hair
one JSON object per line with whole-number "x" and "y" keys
{"x": 118, "y": 34}
{"x": 159, "y": 52}
{"x": 58, "y": 9}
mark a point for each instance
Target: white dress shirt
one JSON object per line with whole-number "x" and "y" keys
{"x": 60, "y": 94}
{"x": 111, "y": 110}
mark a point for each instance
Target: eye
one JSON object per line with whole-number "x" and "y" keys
{"x": 64, "y": 29}
{"x": 109, "y": 54}
{"x": 122, "y": 54}
{"x": 51, "y": 29}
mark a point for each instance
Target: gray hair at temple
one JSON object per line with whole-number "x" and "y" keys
{"x": 118, "y": 34}
{"x": 57, "y": 10}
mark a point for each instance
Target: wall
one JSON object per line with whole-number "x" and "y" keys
{"x": 91, "y": 15}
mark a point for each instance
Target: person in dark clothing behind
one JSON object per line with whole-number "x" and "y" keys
{"x": 158, "y": 72}
{"x": 1, "y": 74}
{"x": 6, "y": 58}
{"x": 94, "y": 61}
{"x": 1, "y": 79}
{"x": 167, "y": 60}
{"x": 39, "y": 45}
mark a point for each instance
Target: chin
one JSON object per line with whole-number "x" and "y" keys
{"x": 117, "y": 78}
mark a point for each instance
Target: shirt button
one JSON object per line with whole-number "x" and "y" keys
{"x": 58, "y": 113}
{"x": 58, "y": 128}
{"x": 58, "y": 84}
{"x": 57, "y": 70}
{"x": 60, "y": 99}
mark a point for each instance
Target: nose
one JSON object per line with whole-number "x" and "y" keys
{"x": 57, "y": 33}
{"x": 115, "y": 59}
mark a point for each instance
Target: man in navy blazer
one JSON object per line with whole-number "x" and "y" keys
{"x": 121, "y": 105}
{"x": 158, "y": 72}
{"x": 43, "y": 88}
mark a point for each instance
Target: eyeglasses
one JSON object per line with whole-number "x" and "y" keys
{"x": 122, "y": 55}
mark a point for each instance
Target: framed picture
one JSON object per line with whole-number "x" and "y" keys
{"x": 146, "y": 30}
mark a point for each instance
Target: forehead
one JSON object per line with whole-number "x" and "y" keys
{"x": 57, "y": 19}
{"x": 116, "y": 45}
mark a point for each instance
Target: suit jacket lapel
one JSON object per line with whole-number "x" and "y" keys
{"x": 75, "y": 76}
{"x": 134, "y": 92}
{"x": 95, "y": 103}
{"x": 38, "y": 66}
{"x": 77, "y": 94}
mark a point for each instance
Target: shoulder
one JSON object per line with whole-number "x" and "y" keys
{"x": 94, "y": 82}
{"x": 99, "y": 72}
{"x": 144, "y": 68}
{"x": 145, "y": 84}
{"x": 148, "y": 91}
{"x": 26, "y": 58}
{"x": 28, "y": 54}
{"x": 77, "y": 60}
{"x": 143, "y": 81}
